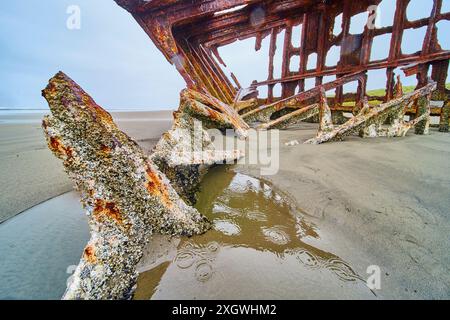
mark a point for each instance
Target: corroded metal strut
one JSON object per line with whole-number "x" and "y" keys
{"x": 127, "y": 194}
{"x": 369, "y": 122}
{"x": 332, "y": 42}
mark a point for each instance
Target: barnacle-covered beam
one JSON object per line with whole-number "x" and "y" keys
{"x": 214, "y": 112}
{"x": 125, "y": 194}
{"x": 325, "y": 117}
{"x": 370, "y": 121}
{"x": 264, "y": 112}
{"x": 190, "y": 34}
{"x": 186, "y": 151}
{"x": 445, "y": 117}
{"x": 292, "y": 118}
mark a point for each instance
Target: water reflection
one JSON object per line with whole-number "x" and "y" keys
{"x": 259, "y": 240}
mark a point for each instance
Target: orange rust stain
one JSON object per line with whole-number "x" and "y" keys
{"x": 99, "y": 111}
{"x": 166, "y": 136}
{"x": 104, "y": 209}
{"x": 89, "y": 254}
{"x": 58, "y": 148}
{"x": 155, "y": 186}
{"x": 213, "y": 114}
{"x": 104, "y": 151}
{"x": 49, "y": 90}
{"x": 164, "y": 37}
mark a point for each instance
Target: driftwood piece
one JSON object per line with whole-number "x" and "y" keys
{"x": 126, "y": 196}
{"x": 370, "y": 120}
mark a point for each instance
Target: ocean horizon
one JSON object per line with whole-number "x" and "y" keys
{"x": 13, "y": 111}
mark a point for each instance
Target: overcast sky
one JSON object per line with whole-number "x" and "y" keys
{"x": 112, "y": 58}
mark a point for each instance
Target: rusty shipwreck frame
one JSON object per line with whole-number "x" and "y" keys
{"x": 189, "y": 34}
{"x": 130, "y": 195}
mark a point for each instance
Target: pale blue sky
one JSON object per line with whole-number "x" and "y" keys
{"x": 110, "y": 56}
{"x": 114, "y": 60}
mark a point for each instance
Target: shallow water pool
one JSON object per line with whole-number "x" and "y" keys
{"x": 39, "y": 247}
{"x": 258, "y": 249}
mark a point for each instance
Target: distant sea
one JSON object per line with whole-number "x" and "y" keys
{"x": 34, "y": 116}
{"x": 10, "y": 111}
{"x": 5, "y": 111}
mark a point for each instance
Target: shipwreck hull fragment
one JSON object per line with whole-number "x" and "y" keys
{"x": 126, "y": 196}
{"x": 186, "y": 151}
{"x": 191, "y": 35}
{"x": 369, "y": 121}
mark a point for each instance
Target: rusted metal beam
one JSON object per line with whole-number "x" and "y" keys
{"x": 208, "y": 24}
{"x": 370, "y": 120}
{"x": 272, "y": 51}
{"x": 291, "y": 118}
{"x": 430, "y": 42}
{"x": 405, "y": 61}
{"x": 126, "y": 196}
{"x": 265, "y": 111}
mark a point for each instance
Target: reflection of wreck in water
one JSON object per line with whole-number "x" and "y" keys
{"x": 247, "y": 214}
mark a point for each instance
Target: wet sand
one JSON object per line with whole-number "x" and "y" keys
{"x": 31, "y": 174}
{"x": 41, "y": 247}
{"x": 382, "y": 202}
{"x": 378, "y": 202}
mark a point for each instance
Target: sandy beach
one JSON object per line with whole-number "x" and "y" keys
{"x": 30, "y": 172}
{"x": 381, "y": 202}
